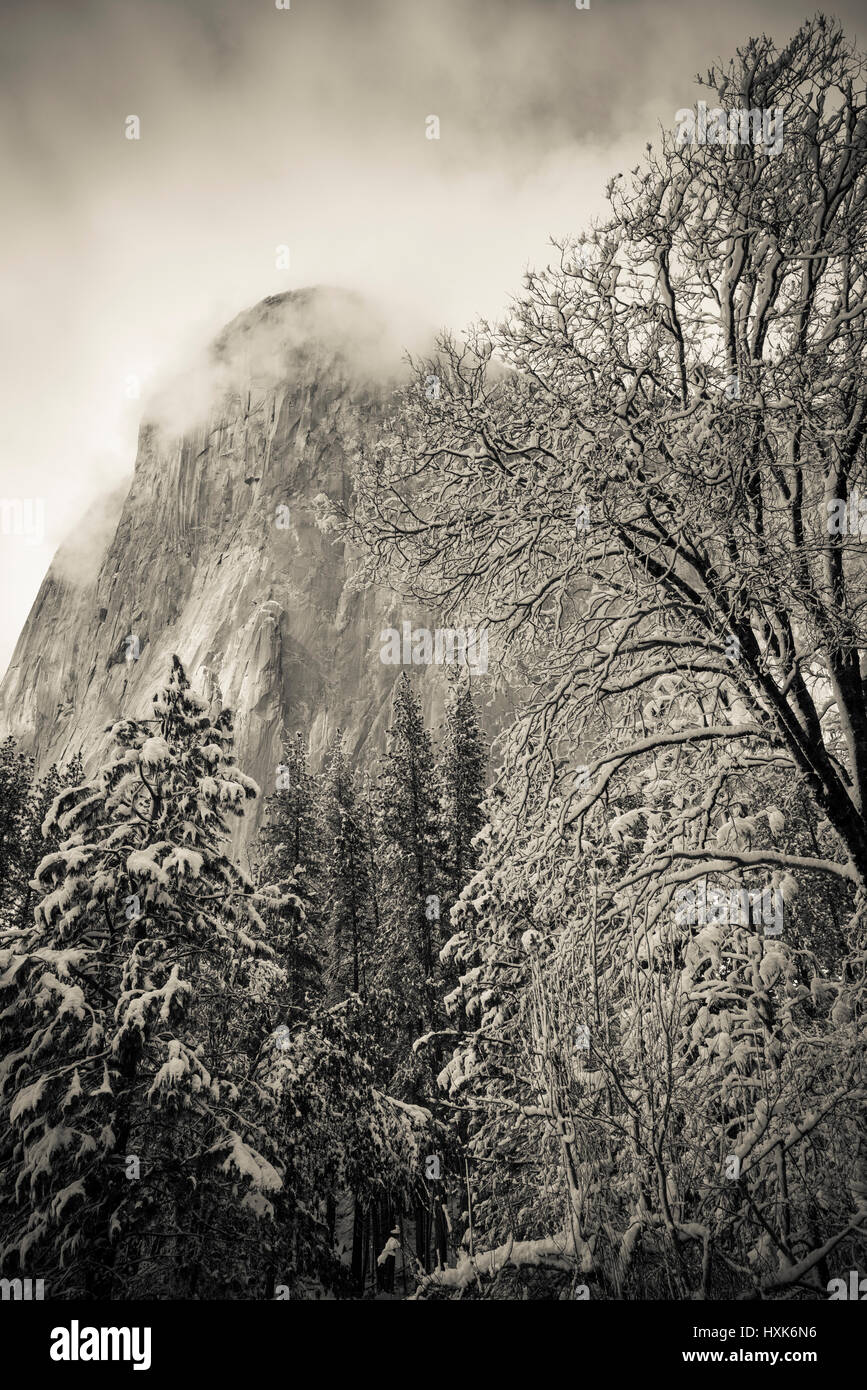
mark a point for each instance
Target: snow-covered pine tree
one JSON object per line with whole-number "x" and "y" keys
{"x": 508, "y": 1065}
{"x": 461, "y": 770}
{"x": 350, "y": 916}
{"x": 289, "y": 874}
{"x": 134, "y": 1140}
{"x": 291, "y": 828}
{"x": 369, "y": 819}
{"x": 341, "y": 1137}
{"x": 33, "y": 840}
{"x": 16, "y": 781}
{"x": 26, "y": 801}
{"x": 410, "y": 861}
{"x": 410, "y": 855}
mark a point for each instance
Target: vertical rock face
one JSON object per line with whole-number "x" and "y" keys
{"x": 215, "y": 554}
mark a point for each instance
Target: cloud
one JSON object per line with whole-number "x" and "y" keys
{"x": 78, "y": 560}
{"x": 275, "y": 338}
{"x": 303, "y": 128}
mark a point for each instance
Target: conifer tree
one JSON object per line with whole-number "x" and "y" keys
{"x": 368, "y": 814}
{"x": 461, "y": 767}
{"x": 16, "y": 782}
{"x": 350, "y": 907}
{"x": 123, "y": 1104}
{"x": 292, "y": 829}
{"x": 24, "y": 839}
{"x": 410, "y": 854}
{"x": 289, "y": 871}
{"x": 409, "y": 859}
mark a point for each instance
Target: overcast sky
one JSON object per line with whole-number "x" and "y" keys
{"x": 306, "y": 128}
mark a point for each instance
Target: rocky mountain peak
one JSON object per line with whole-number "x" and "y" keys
{"x": 215, "y": 554}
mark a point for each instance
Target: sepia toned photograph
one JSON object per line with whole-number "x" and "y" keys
{"x": 433, "y": 719}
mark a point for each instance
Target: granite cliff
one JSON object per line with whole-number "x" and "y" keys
{"x": 215, "y": 553}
